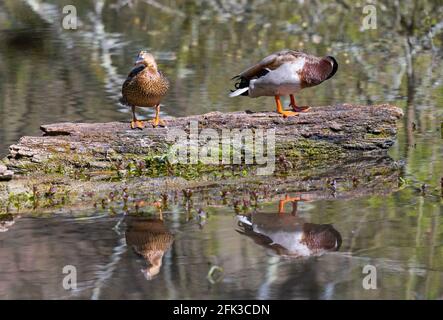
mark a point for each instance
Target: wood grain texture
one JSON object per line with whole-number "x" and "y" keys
{"x": 84, "y": 162}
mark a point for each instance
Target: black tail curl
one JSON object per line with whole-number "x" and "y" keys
{"x": 241, "y": 83}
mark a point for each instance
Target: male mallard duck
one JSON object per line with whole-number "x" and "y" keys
{"x": 284, "y": 73}
{"x": 150, "y": 239}
{"x": 290, "y": 235}
{"x": 145, "y": 86}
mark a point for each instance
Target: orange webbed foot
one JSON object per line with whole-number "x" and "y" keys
{"x": 280, "y": 110}
{"x": 294, "y": 201}
{"x": 137, "y": 124}
{"x": 300, "y": 109}
{"x": 287, "y": 114}
{"x": 296, "y": 108}
{"x": 157, "y": 122}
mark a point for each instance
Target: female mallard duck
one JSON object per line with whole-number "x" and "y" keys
{"x": 150, "y": 239}
{"x": 290, "y": 235}
{"x": 145, "y": 86}
{"x": 284, "y": 73}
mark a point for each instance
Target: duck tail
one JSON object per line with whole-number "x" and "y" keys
{"x": 245, "y": 225}
{"x": 239, "y": 92}
{"x": 244, "y": 220}
{"x": 241, "y": 87}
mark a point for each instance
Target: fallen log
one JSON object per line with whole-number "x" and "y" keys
{"x": 71, "y": 161}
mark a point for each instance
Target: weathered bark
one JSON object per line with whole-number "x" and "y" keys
{"x": 81, "y": 164}
{"x": 341, "y": 131}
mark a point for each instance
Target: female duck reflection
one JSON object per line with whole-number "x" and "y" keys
{"x": 289, "y": 235}
{"x": 150, "y": 239}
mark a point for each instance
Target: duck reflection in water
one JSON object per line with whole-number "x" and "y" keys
{"x": 289, "y": 235}
{"x": 150, "y": 239}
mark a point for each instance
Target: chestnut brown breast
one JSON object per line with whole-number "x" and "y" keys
{"x": 144, "y": 88}
{"x": 146, "y": 235}
{"x": 321, "y": 236}
{"x": 315, "y": 71}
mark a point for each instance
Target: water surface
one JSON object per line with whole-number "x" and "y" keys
{"x": 48, "y": 74}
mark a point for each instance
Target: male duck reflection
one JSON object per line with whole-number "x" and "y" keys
{"x": 289, "y": 235}
{"x": 150, "y": 239}
{"x": 145, "y": 86}
{"x": 284, "y": 73}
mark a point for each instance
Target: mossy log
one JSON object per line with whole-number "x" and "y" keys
{"x": 80, "y": 164}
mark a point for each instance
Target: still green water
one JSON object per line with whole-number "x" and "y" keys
{"x": 48, "y": 74}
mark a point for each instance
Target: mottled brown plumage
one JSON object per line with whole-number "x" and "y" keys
{"x": 321, "y": 236}
{"x": 145, "y": 86}
{"x": 150, "y": 239}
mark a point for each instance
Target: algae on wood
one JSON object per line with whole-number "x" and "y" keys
{"x": 78, "y": 165}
